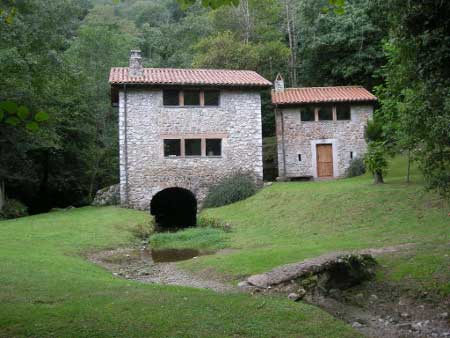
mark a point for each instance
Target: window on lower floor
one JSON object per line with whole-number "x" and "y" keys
{"x": 307, "y": 113}
{"x": 325, "y": 113}
{"x": 172, "y": 147}
{"x": 193, "y": 147}
{"x": 343, "y": 112}
{"x": 213, "y": 147}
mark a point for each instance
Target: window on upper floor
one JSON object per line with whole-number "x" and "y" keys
{"x": 325, "y": 113}
{"x": 343, "y": 112}
{"x": 172, "y": 147}
{"x": 193, "y": 147}
{"x": 171, "y": 97}
{"x": 307, "y": 113}
{"x": 212, "y": 97}
{"x": 191, "y": 97}
{"x": 213, "y": 147}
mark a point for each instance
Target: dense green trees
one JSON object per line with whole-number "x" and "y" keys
{"x": 55, "y": 57}
{"x": 415, "y": 97}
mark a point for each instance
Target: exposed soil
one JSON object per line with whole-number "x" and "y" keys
{"x": 379, "y": 309}
{"x": 376, "y": 309}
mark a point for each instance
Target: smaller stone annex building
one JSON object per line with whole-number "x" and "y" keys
{"x": 181, "y": 130}
{"x": 320, "y": 129}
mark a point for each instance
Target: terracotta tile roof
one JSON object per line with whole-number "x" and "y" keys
{"x": 322, "y": 94}
{"x": 171, "y": 76}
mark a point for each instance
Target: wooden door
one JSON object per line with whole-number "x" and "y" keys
{"x": 324, "y": 160}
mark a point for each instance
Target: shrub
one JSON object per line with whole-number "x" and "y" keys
{"x": 231, "y": 189}
{"x": 13, "y": 209}
{"x": 143, "y": 231}
{"x": 212, "y": 222}
{"x": 376, "y": 162}
{"x": 356, "y": 168}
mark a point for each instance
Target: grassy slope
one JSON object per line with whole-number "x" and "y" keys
{"x": 47, "y": 289}
{"x": 288, "y": 222}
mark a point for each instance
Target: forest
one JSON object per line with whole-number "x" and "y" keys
{"x": 58, "y": 130}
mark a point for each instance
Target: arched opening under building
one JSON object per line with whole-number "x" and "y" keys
{"x": 174, "y": 208}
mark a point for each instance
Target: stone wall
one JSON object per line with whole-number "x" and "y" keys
{"x": 144, "y": 170}
{"x": 301, "y": 137}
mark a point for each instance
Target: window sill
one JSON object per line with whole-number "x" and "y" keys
{"x": 188, "y": 157}
{"x": 191, "y": 106}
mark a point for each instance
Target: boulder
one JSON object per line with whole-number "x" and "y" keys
{"x": 107, "y": 196}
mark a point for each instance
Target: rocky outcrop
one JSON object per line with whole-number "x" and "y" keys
{"x": 107, "y": 196}
{"x": 331, "y": 271}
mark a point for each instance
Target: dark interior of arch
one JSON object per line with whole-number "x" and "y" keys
{"x": 174, "y": 208}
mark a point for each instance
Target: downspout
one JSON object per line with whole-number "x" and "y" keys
{"x": 125, "y": 140}
{"x": 283, "y": 147}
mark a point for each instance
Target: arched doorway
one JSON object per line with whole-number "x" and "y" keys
{"x": 174, "y": 208}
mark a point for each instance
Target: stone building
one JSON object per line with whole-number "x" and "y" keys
{"x": 320, "y": 129}
{"x": 181, "y": 130}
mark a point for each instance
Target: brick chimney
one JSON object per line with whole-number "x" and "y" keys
{"x": 279, "y": 83}
{"x": 136, "y": 69}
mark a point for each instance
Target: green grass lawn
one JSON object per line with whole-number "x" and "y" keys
{"x": 48, "y": 289}
{"x": 288, "y": 222}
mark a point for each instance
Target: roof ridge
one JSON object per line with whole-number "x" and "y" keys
{"x": 350, "y": 86}
{"x": 193, "y": 69}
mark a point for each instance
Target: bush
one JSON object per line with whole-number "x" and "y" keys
{"x": 13, "y": 209}
{"x": 212, "y": 222}
{"x": 356, "y": 168}
{"x": 375, "y": 161}
{"x": 231, "y": 189}
{"x": 143, "y": 231}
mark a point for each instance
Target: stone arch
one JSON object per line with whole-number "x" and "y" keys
{"x": 174, "y": 207}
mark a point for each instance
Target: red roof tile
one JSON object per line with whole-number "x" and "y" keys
{"x": 171, "y": 76}
{"x": 322, "y": 94}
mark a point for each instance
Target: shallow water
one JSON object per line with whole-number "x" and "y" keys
{"x": 173, "y": 255}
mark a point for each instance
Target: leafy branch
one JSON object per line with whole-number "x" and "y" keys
{"x": 15, "y": 115}
{"x": 9, "y": 12}
{"x": 337, "y": 6}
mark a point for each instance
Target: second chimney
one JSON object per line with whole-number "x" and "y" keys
{"x": 279, "y": 83}
{"x": 135, "y": 67}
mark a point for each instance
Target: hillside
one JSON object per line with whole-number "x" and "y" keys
{"x": 288, "y": 222}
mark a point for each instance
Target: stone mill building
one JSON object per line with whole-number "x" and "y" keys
{"x": 320, "y": 129}
{"x": 181, "y": 130}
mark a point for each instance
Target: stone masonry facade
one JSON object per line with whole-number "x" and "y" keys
{"x": 144, "y": 122}
{"x": 302, "y": 137}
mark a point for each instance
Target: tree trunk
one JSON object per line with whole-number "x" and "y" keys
{"x": 2, "y": 194}
{"x": 409, "y": 167}
{"x": 246, "y": 24}
{"x": 378, "y": 177}
{"x": 292, "y": 38}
